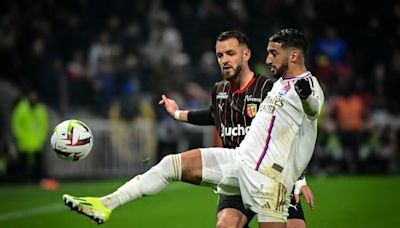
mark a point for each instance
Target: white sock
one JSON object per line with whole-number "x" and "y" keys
{"x": 168, "y": 170}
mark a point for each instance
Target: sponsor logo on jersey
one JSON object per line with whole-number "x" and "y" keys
{"x": 239, "y": 130}
{"x": 252, "y": 99}
{"x": 267, "y": 108}
{"x": 284, "y": 90}
{"x": 222, "y": 95}
{"x": 270, "y": 104}
{"x": 251, "y": 110}
{"x": 276, "y": 101}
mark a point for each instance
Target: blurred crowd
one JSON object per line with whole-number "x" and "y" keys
{"x": 115, "y": 59}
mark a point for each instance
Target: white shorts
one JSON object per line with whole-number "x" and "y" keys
{"x": 267, "y": 197}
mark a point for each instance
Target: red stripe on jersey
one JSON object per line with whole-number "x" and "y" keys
{"x": 244, "y": 88}
{"x": 271, "y": 125}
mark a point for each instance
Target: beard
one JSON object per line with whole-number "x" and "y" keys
{"x": 280, "y": 72}
{"x": 235, "y": 74}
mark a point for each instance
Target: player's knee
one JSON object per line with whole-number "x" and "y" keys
{"x": 231, "y": 218}
{"x": 225, "y": 223}
{"x": 229, "y": 223}
{"x": 192, "y": 166}
{"x": 296, "y": 223}
{"x": 170, "y": 168}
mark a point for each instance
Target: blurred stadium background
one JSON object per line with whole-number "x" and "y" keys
{"x": 108, "y": 62}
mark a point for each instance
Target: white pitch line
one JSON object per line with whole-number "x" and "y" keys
{"x": 32, "y": 211}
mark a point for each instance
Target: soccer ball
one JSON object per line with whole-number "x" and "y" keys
{"x": 72, "y": 140}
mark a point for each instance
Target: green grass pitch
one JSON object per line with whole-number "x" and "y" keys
{"x": 340, "y": 202}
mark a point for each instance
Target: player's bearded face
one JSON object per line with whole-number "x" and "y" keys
{"x": 231, "y": 57}
{"x": 277, "y": 59}
{"x": 231, "y": 73}
{"x": 279, "y": 71}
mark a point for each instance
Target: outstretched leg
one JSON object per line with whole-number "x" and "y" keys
{"x": 185, "y": 167}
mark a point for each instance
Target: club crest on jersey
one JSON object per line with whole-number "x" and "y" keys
{"x": 284, "y": 90}
{"x": 251, "y": 110}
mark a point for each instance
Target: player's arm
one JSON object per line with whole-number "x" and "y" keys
{"x": 301, "y": 187}
{"x": 309, "y": 102}
{"x": 217, "y": 139}
{"x": 198, "y": 117}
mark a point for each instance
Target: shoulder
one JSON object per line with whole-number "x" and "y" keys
{"x": 265, "y": 82}
{"x": 314, "y": 82}
{"x": 265, "y": 78}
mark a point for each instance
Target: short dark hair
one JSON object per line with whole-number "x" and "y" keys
{"x": 290, "y": 38}
{"x": 239, "y": 36}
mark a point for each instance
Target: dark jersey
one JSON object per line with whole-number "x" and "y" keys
{"x": 233, "y": 111}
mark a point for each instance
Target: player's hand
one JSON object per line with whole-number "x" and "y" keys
{"x": 302, "y": 88}
{"x": 308, "y": 195}
{"x": 169, "y": 104}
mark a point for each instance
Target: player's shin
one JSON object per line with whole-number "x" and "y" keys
{"x": 168, "y": 170}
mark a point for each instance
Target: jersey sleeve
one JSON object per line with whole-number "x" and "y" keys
{"x": 200, "y": 117}
{"x": 312, "y": 105}
{"x": 317, "y": 94}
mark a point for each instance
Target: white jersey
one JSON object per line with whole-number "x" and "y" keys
{"x": 281, "y": 139}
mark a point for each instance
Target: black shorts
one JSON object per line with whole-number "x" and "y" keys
{"x": 295, "y": 210}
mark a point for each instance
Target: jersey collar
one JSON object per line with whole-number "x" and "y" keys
{"x": 303, "y": 75}
{"x": 238, "y": 91}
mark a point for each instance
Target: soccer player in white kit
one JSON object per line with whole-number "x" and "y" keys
{"x": 265, "y": 166}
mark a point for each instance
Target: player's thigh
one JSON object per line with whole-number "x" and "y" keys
{"x": 234, "y": 202}
{"x": 219, "y": 168}
{"x": 232, "y": 211}
{"x": 296, "y": 223}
